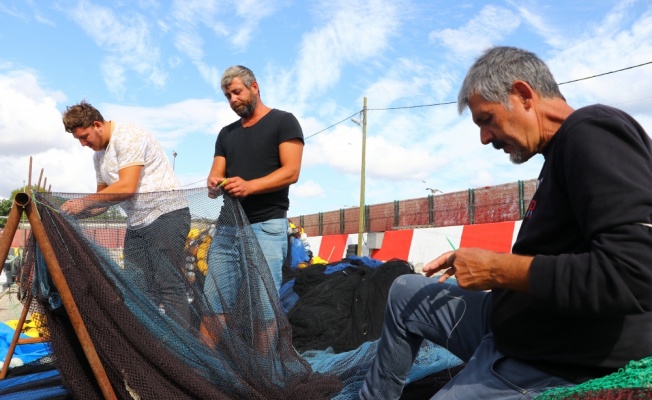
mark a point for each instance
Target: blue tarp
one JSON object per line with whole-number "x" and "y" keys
{"x": 25, "y": 352}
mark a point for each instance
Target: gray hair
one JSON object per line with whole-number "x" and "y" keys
{"x": 238, "y": 71}
{"x": 491, "y": 76}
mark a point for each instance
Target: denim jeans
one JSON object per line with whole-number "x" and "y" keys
{"x": 227, "y": 270}
{"x": 458, "y": 320}
{"x": 272, "y": 236}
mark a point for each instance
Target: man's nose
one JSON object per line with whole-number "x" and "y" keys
{"x": 485, "y": 136}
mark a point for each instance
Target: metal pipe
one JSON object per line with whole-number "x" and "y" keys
{"x": 68, "y": 301}
{"x": 29, "y": 178}
{"x": 13, "y": 219}
{"x": 16, "y": 337}
{"x": 39, "y": 179}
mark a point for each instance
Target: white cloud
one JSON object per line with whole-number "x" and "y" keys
{"x": 190, "y": 43}
{"x": 538, "y": 22}
{"x": 11, "y": 11}
{"x": 490, "y": 26}
{"x": 27, "y": 111}
{"x": 352, "y": 31}
{"x": 603, "y": 50}
{"x": 172, "y": 123}
{"x": 408, "y": 80}
{"x": 126, "y": 39}
{"x": 190, "y": 16}
{"x": 252, "y": 13}
{"x": 211, "y": 75}
{"x": 309, "y": 188}
{"x": 30, "y": 126}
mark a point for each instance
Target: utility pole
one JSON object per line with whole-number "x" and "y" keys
{"x": 361, "y": 224}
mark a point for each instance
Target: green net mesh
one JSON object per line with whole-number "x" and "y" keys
{"x": 632, "y": 382}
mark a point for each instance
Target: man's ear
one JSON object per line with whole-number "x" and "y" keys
{"x": 254, "y": 87}
{"x": 524, "y": 92}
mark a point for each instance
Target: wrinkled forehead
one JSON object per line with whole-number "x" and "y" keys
{"x": 478, "y": 104}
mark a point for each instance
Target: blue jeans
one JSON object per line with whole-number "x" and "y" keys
{"x": 227, "y": 269}
{"x": 458, "y": 320}
{"x": 272, "y": 236}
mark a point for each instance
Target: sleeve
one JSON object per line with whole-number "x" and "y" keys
{"x": 606, "y": 170}
{"x": 219, "y": 147}
{"x": 289, "y": 129}
{"x": 96, "y": 163}
{"x": 131, "y": 148}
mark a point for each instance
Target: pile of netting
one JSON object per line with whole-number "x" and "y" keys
{"x": 634, "y": 381}
{"x": 184, "y": 306}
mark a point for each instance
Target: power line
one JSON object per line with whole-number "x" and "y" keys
{"x": 606, "y": 73}
{"x": 337, "y": 123}
{"x": 454, "y": 102}
{"x": 404, "y": 107}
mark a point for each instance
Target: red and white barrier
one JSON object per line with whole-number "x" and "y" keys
{"x": 420, "y": 246}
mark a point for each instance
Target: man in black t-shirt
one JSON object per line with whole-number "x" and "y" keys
{"x": 256, "y": 159}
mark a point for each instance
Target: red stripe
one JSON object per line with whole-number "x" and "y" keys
{"x": 496, "y": 236}
{"x": 332, "y": 247}
{"x": 396, "y": 244}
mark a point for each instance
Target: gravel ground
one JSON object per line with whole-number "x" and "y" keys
{"x": 10, "y": 306}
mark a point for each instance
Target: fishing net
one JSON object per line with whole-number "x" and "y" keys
{"x": 177, "y": 333}
{"x": 634, "y": 381}
{"x": 183, "y": 306}
{"x": 341, "y": 304}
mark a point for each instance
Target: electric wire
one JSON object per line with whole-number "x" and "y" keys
{"x": 454, "y": 102}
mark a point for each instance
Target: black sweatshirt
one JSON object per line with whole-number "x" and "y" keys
{"x": 589, "y": 310}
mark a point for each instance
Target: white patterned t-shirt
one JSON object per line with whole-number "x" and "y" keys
{"x": 132, "y": 145}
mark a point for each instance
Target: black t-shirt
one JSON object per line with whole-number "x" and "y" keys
{"x": 252, "y": 153}
{"x": 589, "y": 310}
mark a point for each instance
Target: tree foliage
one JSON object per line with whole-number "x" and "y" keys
{"x": 34, "y": 188}
{"x": 5, "y": 207}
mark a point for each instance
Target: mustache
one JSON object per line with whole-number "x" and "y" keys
{"x": 498, "y": 144}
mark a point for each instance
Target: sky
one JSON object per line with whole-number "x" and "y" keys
{"x": 159, "y": 63}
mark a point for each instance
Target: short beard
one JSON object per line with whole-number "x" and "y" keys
{"x": 517, "y": 156}
{"x": 246, "y": 110}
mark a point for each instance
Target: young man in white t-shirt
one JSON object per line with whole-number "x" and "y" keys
{"x": 128, "y": 160}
